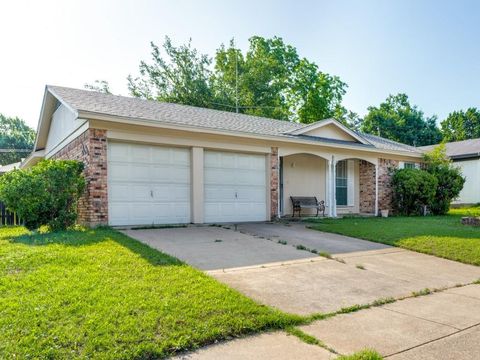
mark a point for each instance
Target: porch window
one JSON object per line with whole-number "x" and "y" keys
{"x": 341, "y": 182}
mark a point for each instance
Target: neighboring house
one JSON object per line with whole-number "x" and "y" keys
{"x": 466, "y": 155}
{"x": 149, "y": 162}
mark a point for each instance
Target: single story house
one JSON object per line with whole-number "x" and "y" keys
{"x": 148, "y": 162}
{"x": 466, "y": 155}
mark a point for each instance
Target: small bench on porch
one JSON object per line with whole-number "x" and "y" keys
{"x": 307, "y": 202}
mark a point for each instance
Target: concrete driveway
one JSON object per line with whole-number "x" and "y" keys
{"x": 253, "y": 261}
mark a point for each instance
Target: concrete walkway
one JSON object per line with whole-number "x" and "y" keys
{"x": 212, "y": 247}
{"x": 274, "y": 346}
{"x": 443, "y": 325}
{"x": 295, "y": 233}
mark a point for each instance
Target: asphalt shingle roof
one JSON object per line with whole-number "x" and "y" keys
{"x": 168, "y": 113}
{"x": 458, "y": 148}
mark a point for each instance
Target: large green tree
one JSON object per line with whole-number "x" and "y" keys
{"x": 16, "y": 139}
{"x": 183, "y": 76}
{"x": 269, "y": 80}
{"x": 461, "y": 125}
{"x": 398, "y": 120}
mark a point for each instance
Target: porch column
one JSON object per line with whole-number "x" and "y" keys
{"x": 328, "y": 195}
{"x": 334, "y": 187}
{"x": 376, "y": 188}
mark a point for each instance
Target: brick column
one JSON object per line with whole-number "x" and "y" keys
{"x": 274, "y": 183}
{"x": 367, "y": 187}
{"x": 385, "y": 191}
{"x": 91, "y": 149}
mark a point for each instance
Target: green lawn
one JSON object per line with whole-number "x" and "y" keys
{"x": 100, "y": 294}
{"x": 442, "y": 236}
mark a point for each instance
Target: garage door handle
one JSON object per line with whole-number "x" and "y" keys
{"x": 151, "y": 193}
{"x": 236, "y": 195}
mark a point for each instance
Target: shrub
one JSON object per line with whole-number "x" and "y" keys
{"x": 46, "y": 194}
{"x": 412, "y": 190}
{"x": 449, "y": 179}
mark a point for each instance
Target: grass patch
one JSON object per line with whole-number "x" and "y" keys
{"x": 442, "y": 236}
{"x": 360, "y": 266}
{"x": 325, "y": 254}
{"x": 308, "y": 339}
{"x": 100, "y": 294}
{"x": 282, "y": 242}
{"x": 366, "y": 354}
{"x": 422, "y": 292}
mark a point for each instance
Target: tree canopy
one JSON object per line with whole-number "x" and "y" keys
{"x": 15, "y": 137}
{"x": 398, "y": 120}
{"x": 461, "y": 125}
{"x": 269, "y": 80}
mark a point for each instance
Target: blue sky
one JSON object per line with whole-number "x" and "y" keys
{"x": 427, "y": 49}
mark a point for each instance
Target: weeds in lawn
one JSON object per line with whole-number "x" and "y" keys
{"x": 283, "y": 242}
{"x": 367, "y": 354}
{"x": 360, "y": 266}
{"x": 422, "y": 292}
{"x": 308, "y": 339}
{"x": 218, "y": 240}
{"x": 340, "y": 260}
{"x": 325, "y": 254}
{"x": 301, "y": 247}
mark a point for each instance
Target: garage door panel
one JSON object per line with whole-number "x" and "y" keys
{"x": 148, "y": 184}
{"x": 234, "y": 187}
{"x": 117, "y": 152}
{"x": 170, "y": 193}
{"x": 223, "y": 193}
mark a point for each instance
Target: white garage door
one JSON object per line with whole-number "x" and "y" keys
{"x": 235, "y": 187}
{"x": 148, "y": 184}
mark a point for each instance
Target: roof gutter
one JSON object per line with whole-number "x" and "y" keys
{"x": 242, "y": 134}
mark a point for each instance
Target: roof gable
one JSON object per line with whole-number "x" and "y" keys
{"x": 330, "y": 129}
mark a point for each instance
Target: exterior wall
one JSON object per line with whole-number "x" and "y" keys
{"x": 470, "y": 193}
{"x": 331, "y": 132}
{"x": 385, "y": 191}
{"x": 303, "y": 175}
{"x": 274, "y": 183}
{"x": 367, "y": 187}
{"x": 63, "y": 124}
{"x": 91, "y": 148}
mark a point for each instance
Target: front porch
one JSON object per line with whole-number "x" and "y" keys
{"x": 348, "y": 185}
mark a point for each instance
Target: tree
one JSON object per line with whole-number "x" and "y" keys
{"x": 398, "y": 120}
{"x": 99, "y": 86}
{"x": 45, "y": 194}
{"x": 272, "y": 80}
{"x": 449, "y": 179}
{"x": 461, "y": 125}
{"x": 269, "y": 80}
{"x": 16, "y": 139}
{"x": 184, "y": 77}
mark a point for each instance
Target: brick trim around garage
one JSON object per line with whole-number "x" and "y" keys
{"x": 91, "y": 149}
{"x": 274, "y": 180}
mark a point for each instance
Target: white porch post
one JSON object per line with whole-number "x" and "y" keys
{"x": 376, "y": 188}
{"x": 328, "y": 196}
{"x": 334, "y": 187}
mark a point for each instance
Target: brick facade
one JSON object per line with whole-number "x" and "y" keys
{"x": 274, "y": 183}
{"x": 385, "y": 191}
{"x": 367, "y": 185}
{"x": 91, "y": 148}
